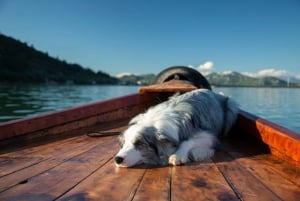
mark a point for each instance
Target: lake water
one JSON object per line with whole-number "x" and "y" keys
{"x": 280, "y": 105}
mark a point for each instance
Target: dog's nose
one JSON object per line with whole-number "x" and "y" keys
{"x": 119, "y": 159}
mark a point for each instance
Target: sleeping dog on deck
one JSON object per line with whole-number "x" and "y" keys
{"x": 183, "y": 129}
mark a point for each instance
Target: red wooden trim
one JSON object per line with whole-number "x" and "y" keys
{"x": 28, "y": 125}
{"x": 169, "y": 86}
{"x": 281, "y": 140}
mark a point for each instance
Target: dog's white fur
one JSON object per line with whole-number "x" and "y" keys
{"x": 180, "y": 130}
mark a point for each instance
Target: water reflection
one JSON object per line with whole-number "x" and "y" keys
{"x": 19, "y": 101}
{"x": 280, "y": 105}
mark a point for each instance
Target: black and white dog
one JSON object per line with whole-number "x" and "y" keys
{"x": 180, "y": 130}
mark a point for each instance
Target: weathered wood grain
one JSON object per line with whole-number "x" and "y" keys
{"x": 57, "y": 180}
{"x": 245, "y": 185}
{"x": 155, "y": 185}
{"x": 169, "y": 86}
{"x": 282, "y": 187}
{"x": 51, "y": 157}
{"x": 201, "y": 181}
{"x": 108, "y": 183}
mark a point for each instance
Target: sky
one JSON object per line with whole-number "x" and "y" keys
{"x": 254, "y": 37}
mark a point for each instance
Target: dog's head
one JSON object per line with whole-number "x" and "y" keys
{"x": 144, "y": 145}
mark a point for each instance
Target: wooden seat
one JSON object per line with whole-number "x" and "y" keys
{"x": 170, "y": 86}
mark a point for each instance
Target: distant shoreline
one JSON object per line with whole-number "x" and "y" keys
{"x": 133, "y": 85}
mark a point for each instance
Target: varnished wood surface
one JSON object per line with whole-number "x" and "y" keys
{"x": 82, "y": 168}
{"x": 282, "y": 142}
{"x": 169, "y": 86}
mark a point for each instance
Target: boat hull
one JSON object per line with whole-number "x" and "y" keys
{"x": 54, "y": 157}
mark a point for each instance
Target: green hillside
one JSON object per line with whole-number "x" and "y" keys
{"x": 137, "y": 79}
{"x": 20, "y": 62}
{"x": 234, "y": 79}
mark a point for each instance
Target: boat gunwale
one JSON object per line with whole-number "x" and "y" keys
{"x": 29, "y": 125}
{"x": 283, "y": 142}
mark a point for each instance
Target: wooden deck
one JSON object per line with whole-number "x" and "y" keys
{"x": 82, "y": 168}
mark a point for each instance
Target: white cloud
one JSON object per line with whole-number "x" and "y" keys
{"x": 250, "y": 74}
{"x": 268, "y": 72}
{"x": 207, "y": 66}
{"x": 272, "y": 72}
{"x": 123, "y": 74}
{"x": 227, "y": 72}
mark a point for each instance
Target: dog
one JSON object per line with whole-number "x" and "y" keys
{"x": 183, "y": 129}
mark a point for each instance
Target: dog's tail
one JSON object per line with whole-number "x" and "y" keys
{"x": 230, "y": 114}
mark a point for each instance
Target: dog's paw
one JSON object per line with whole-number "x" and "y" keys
{"x": 200, "y": 154}
{"x": 176, "y": 160}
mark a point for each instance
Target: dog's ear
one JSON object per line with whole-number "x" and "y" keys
{"x": 135, "y": 119}
{"x": 164, "y": 139}
{"x": 165, "y": 147}
{"x": 121, "y": 139}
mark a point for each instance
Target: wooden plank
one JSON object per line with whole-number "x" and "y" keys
{"x": 9, "y": 165}
{"x": 200, "y": 182}
{"x": 169, "y": 86}
{"x": 246, "y": 185}
{"x": 22, "y": 176}
{"x": 280, "y": 167}
{"x": 262, "y": 155}
{"x": 283, "y": 142}
{"x": 52, "y": 158}
{"x": 118, "y": 127}
{"x": 56, "y": 181}
{"x": 282, "y": 187}
{"x": 49, "y": 149}
{"x": 107, "y": 183}
{"x": 22, "y": 149}
{"x": 33, "y": 148}
{"x": 155, "y": 185}
{"x": 14, "y": 161}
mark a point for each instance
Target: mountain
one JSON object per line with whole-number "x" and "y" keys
{"x": 230, "y": 79}
{"x": 132, "y": 79}
{"x": 234, "y": 79}
{"x": 226, "y": 79}
{"x": 22, "y": 63}
{"x": 240, "y": 80}
{"x": 292, "y": 79}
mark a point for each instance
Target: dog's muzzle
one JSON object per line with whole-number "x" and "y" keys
{"x": 119, "y": 160}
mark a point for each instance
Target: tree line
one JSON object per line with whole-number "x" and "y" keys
{"x": 20, "y": 62}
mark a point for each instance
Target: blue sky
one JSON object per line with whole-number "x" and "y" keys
{"x": 145, "y": 36}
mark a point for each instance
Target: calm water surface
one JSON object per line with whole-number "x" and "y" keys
{"x": 279, "y": 105}
{"x": 27, "y": 100}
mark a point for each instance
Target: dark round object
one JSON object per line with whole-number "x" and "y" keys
{"x": 183, "y": 73}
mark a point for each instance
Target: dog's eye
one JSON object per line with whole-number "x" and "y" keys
{"x": 138, "y": 143}
{"x": 121, "y": 140}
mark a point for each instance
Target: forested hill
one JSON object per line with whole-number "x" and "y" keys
{"x": 20, "y": 62}
{"x": 235, "y": 79}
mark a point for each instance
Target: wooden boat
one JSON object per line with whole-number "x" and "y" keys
{"x": 54, "y": 157}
